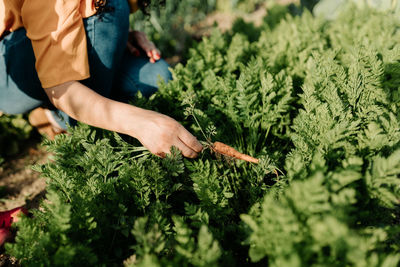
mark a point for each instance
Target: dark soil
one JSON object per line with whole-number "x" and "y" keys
{"x": 19, "y": 184}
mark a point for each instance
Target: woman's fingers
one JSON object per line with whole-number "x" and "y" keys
{"x": 154, "y": 55}
{"x": 187, "y": 144}
{"x": 149, "y": 47}
{"x": 189, "y": 140}
{"x": 143, "y": 42}
{"x": 140, "y": 40}
{"x": 158, "y": 133}
{"x": 186, "y": 151}
{"x": 160, "y": 154}
{"x": 157, "y": 55}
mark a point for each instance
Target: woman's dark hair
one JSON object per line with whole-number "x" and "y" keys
{"x": 101, "y": 7}
{"x": 144, "y": 6}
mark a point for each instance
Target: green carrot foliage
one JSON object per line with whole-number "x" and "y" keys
{"x": 316, "y": 101}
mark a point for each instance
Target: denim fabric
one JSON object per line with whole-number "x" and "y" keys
{"x": 20, "y": 89}
{"x": 114, "y": 72}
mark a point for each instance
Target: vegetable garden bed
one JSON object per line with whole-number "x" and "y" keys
{"x": 316, "y": 100}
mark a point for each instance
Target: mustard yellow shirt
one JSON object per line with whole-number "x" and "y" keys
{"x": 58, "y": 37}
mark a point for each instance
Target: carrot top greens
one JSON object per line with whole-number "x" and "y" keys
{"x": 318, "y": 100}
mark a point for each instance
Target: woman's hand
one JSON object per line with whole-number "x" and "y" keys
{"x": 158, "y": 133}
{"x": 138, "y": 40}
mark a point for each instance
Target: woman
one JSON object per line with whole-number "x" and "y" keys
{"x": 71, "y": 56}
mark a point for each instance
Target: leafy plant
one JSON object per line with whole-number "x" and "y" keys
{"x": 316, "y": 99}
{"x": 14, "y": 130}
{"x": 169, "y": 25}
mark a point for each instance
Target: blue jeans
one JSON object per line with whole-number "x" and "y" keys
{"x": 114, "y": 72}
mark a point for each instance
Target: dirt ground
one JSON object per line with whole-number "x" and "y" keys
{"x": 226, "y": 20}
{"x": 19, "y": 184}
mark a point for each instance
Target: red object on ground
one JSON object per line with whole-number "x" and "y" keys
{"x": 6, "y": 220}
{"x": 5, "y": 234}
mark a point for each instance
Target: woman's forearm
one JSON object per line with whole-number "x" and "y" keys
{"x": 155, "y": 131}
{"x": 85, "y": 105}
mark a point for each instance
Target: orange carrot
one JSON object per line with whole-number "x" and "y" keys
{"x": 229, "y": 151}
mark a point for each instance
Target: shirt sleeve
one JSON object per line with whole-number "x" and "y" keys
{"x": 57, "y": 33}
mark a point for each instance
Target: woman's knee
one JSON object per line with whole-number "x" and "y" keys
{"x": 138, "y": 74}
{"x": 17, "y": 107}
{"x": 10, "y": 110}
{"x": 152, "y": 73}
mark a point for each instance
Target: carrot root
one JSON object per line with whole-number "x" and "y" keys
{"x": 229, "y": 151}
